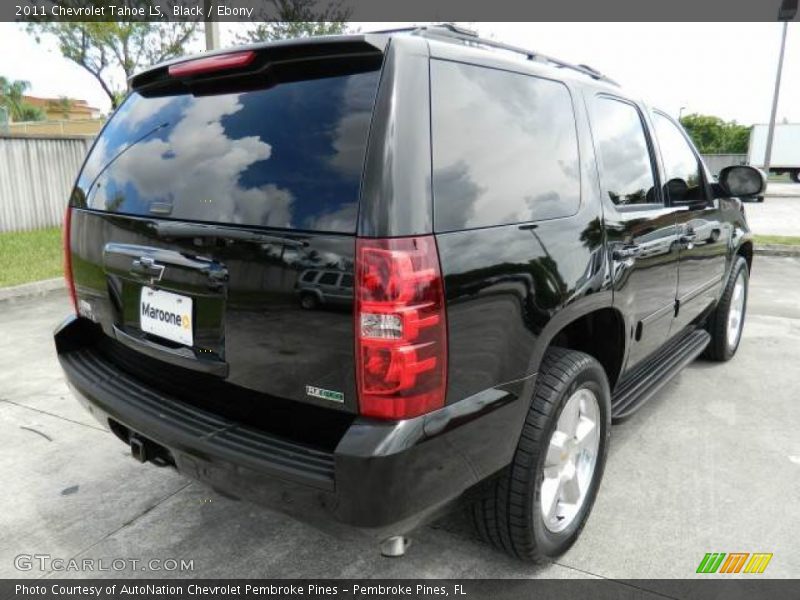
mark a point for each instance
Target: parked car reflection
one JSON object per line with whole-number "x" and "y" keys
{"x": 704, "y": 231}
{"x": 323, "y": 287}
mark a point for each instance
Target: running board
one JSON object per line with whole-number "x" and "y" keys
{"x": 648, "y": 378}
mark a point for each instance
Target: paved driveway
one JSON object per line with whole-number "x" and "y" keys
{"x": 779, "y": 214}
{"x": 712, "y": 464}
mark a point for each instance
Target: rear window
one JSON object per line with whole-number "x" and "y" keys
{"x": 290, "y": 156}
{"x": 505, "y": 148}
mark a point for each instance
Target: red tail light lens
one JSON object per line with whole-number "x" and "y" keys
{"x": 65, "y": 238}
{"x": 209, "y": 64}
{"x": 401, "y": 333}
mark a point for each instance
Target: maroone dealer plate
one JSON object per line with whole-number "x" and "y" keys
{"x": 166, "y": 315}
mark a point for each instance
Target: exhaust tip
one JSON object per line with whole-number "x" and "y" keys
{"x": 395, "y": 546}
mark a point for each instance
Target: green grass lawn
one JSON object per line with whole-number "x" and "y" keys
{"x": 30, "y": 256}
{"x": 777, "y": 239}
{"x": 783, "y": 178}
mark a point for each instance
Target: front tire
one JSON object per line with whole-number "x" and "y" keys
{"x": 538, "y": 506}
{"x": 727, "y": 321}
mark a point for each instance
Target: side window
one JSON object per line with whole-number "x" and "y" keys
{"x": 505, "y": 147}
{"x": 347, "y": 281}
{"x": 626, "y": 168}
{"x": 328, "y": 278}
{"x": 309, "y": 276}
{"x": 684, "y": 181}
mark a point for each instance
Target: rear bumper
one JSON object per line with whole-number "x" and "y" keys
{"x": 383, "y": 477}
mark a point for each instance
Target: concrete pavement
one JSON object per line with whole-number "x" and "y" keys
{"x": 779, "y": 214}
{"x": 710, "y": 465}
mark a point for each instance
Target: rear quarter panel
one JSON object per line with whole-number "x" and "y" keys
{"x": 510, "y": 289}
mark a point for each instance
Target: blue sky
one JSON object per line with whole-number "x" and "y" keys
{"x": 725, "y": 69}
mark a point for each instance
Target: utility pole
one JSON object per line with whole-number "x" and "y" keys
{"x": 211, "y": 28}
{"x": 786, "y": 13}
{"x": 773, "y": 115}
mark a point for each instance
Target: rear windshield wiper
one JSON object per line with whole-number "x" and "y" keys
{"x": 184, "y": 230}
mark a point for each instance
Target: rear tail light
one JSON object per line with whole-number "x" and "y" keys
{"x": 210, "y": 64}
{"x": 401, "y": 332}
{"x": 65, "y": 238}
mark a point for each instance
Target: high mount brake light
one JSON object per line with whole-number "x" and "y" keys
{"x": 67, "y": 257}
{"x": 210, "y": 64}
{"x": 401, "y": 331}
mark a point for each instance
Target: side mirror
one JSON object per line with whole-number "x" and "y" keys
{"x": 741, "y": 180}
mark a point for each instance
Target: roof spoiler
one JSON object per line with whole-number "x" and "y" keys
{"x": 207, "y": 71}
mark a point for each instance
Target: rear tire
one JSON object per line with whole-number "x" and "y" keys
{"x": 509, "y": 513}
{"x": 726, "y": 322}
{"x": 795, "y": 176}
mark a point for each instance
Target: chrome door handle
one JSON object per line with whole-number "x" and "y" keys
{"x": 146, "y": 265}
{"x": 626, "y": 252}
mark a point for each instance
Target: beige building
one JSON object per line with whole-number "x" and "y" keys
{"x": 64, "y": 116}
{"x": 64, "y": 109}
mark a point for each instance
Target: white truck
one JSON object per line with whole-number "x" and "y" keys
{"x": 785, "y": 149}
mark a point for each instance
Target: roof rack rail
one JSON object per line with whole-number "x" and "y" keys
{"x": 451, "y": 31}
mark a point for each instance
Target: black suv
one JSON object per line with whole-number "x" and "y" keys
{"x": 533, "y": 251}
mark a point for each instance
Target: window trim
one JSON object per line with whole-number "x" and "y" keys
{"x": 655, "y": 157}
{"x": 700, "y": 164}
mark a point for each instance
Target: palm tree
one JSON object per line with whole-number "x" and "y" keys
{"x": 12, "y": 96}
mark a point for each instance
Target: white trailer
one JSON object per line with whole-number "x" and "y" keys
{"x": 785, "y": 149}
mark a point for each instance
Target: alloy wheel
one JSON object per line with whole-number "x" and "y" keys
{"x": 570, "y": 461}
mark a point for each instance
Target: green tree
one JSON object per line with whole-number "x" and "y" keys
{"x": 111, "y": 51}
{"x": 12, "y": 97}
{"x": 713, "y": 135}
{"x": 297, "y": 18}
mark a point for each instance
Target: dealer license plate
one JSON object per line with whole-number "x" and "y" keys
{"x": 166, "y": 315}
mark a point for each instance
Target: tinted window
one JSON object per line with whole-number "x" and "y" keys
{"x": 681, "y": 167}
{"x": 347, "y": 281}
{"x": 290, "y": 156}
{"x": 328, "y": 278}
{"x": 505, "y": 148}
{"x": 309, "y": 276}
{"x": 627, "y": 173}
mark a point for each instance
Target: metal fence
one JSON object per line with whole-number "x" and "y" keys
{"x": 55, "y": 127}
{"x": 36, "y": 177}
{"x": 717, "y": 162}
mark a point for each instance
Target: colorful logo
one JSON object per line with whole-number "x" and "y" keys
{"x": 734, "y": 562}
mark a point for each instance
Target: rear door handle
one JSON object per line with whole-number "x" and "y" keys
{"x": 146, "y": 265}
{"x": 626, "y": 252}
